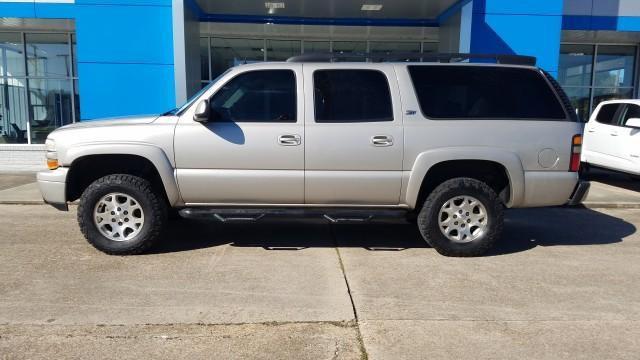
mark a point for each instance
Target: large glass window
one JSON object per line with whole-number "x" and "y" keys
{"x": 474, "y": 92}
{"x": 592, "y": 73}
{"x": 204, "y": 59}
{"x": 316, "y": 46}
{"x": 38, "y": 92}
{"x": 351, "y": 96}
{"x": 257, "y": 96}
{"x": 281, "y": 50}
{"x": 226, "y": 53}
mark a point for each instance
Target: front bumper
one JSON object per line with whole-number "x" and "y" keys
{"x": 53, "y": 186}
{"x": 579, "y": 193}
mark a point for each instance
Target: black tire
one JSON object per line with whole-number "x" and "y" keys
{"x": 428, "y": 217}
{"x": 153, "y": 206}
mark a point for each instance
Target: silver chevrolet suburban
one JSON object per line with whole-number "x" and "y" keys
{"x": 448, "y": 145}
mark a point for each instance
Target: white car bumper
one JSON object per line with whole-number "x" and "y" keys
{"x": 52, "y": 184}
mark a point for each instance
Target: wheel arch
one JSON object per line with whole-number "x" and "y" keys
{"x": 436, "y": 166}
{"x": 90, "y": 162}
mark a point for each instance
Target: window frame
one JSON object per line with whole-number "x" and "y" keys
{"x": 295, "y": 93}
{"x": 537, "y": 71}
{"x": 313, "y": 96}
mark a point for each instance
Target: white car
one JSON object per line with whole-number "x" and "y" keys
{"x": 612, "y": 137}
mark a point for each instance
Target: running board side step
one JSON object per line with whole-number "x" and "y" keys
{"x": 333, "y": 215}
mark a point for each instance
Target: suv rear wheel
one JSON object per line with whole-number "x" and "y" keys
{"x": 461, "y": 217}
{"x": 121, "y": 214}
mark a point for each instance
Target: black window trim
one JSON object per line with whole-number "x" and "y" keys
{"x": 313, "y": 86}
{"x": 538, "y": 71}
{"x": 295, "y": 91}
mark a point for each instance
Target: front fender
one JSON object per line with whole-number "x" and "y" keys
{"x": 426, "y": 160}
{"x": 153, "y": 153}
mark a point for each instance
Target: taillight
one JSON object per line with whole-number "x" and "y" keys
{"x": 576, "y": 148}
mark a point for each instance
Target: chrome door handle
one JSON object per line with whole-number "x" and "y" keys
{"x": 289, "y": 140}
{"x": 591, "y": 130}
{"x": 382, "y": 140}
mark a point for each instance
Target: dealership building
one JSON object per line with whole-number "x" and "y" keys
{"x": 63, "y": 61}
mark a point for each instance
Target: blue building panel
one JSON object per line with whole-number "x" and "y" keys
{"x": 495, "y": 34}
{"x": 18, "y": 10}
{"x": 124, "y": 52}
{"x": 519, "y": 7}
{"x": 124, "y": 34}
{"x": 125, "y": 89}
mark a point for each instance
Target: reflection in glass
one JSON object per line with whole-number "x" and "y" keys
{"x": 316, "y": 47}
{"x": 48, "y": 55}
{"x": 430, "y": 47}
{"x": 580, "y": 98}
{"x": 13, "y": 111}
{"x": 600, "y": 95}
{"x": 576, "y": 64}
{"x": 11, "y": 60}
{"x": 382, "y": 48}
{"x": 281, "y": 50}
{"x": 615, "y": 66}
{"x": 349, "y": 46}
{"x": 50, "y": 107}
{"x": 204, "y": 58}
{"x": 227, "y": 53}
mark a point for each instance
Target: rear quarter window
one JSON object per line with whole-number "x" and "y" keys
{"x": 608, "y": 114}
{"x": 484, "y": 92}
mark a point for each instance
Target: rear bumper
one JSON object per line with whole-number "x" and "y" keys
{"x": 579, "y": 193}
{"x": 53, "y": 185}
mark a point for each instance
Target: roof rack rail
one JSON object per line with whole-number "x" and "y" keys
{"x": 414, "y": 57}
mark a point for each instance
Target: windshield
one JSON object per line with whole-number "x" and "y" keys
{"x": 195, "y": 96}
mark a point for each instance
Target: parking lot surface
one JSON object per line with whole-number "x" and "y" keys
{"x": 562, "y": 284}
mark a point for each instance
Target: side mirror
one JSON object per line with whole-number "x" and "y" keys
{"x": 202, "y": 112}
{"x": 633, "y": 123}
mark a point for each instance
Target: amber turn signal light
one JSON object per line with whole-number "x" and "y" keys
{"x": 52, "y": 164}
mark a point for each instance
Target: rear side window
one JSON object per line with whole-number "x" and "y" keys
{"x": 482, "y": 92}
{"x": 351, "y": 96}
{"x": 257, "y": 96}
{"x": 631, "y": 111}
{"x": 608, "y": 114}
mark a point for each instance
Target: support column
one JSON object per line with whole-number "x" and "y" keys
{"x": 186, "y": 47}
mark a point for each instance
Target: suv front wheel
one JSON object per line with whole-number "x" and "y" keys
{"x": 461, "y": 217}
{"x": 121, "y": 214}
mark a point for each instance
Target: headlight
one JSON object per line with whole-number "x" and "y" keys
{"x": 52, "y": 154}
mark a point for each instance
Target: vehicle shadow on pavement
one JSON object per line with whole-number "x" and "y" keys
{"x": 528, "y": 228}
{"x": 524, "y": 229}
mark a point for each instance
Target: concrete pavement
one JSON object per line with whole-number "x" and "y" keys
{"x": 563, "y": 284}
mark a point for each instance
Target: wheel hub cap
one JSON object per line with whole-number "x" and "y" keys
{"x": 118, "y": 216}
{"x": 463, "y": 219}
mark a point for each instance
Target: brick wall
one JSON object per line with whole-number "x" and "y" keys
{"x": 22, "y": 158}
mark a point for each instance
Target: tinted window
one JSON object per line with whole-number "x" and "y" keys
{"x": 631, "y": 111}
{"x": 257, "y": 96}
{"x": 351, "y": 96}
{"x": 481, "y": 92}
{"x": 607, "y": 114}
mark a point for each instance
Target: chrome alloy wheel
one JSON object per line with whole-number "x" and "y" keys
{"x": 118, "y": 216}
{"x": 463, "y": 219}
